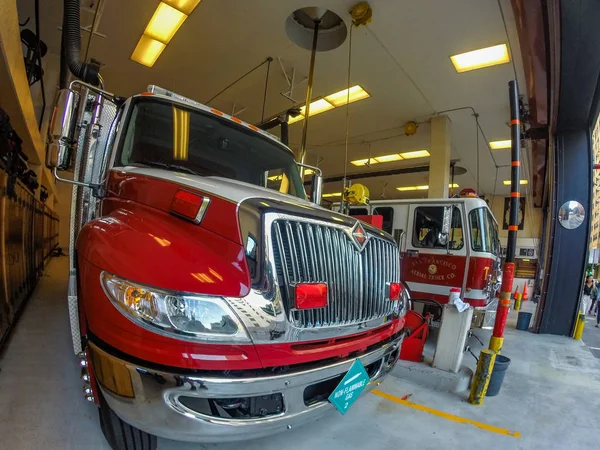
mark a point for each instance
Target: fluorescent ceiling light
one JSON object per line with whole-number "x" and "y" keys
{"x": 317, "y": 107}
{"x": 185, "y": 6}
{"x": 388, "y": 158}
{"x": 415, "y": 154}
{"x": 421, "y": 188}
{"x": 337, "y": 194}
{"x": 164, "y": 23}
{"x": 363, "y": 162}
{"x": 308, "y": 172}
{"x": 507, "y": 182}
{"x": 340, "y": 98}
{"x": 407, "y": 188}
{"x": 147, "y": 51}
{"x": 275, "y": 177}
{"x": 478, "y": 59}
{"x": 166, "y": 20}
{"x": 497, "y": 145}
{"x": 331, "y": 101}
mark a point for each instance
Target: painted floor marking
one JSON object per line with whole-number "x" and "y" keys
{"x": 435, "y": 412}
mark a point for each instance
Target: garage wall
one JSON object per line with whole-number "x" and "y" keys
{"x": 532, "y": 224}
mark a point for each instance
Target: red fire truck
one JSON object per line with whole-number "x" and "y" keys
{"x": 209, "y": 299}
{"x": 445, "y": 243}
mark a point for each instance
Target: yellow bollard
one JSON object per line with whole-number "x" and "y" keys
{"x": 518, "y": 302}
{"x": 579, "y": 326}
{"x": 481, "y": 379}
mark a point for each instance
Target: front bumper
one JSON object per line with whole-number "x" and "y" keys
{"x": 156, "y": 407}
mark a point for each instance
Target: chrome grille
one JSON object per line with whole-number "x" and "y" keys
{"x": 306, "y": 252}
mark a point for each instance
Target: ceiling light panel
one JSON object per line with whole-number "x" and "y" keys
{"x": 497, "y": 145}
{"x": 478, "y": 59}
{"x": 421, "y": 188}
{"x": 344, "y": 96}
{"x": 317, "y": 107}
{"x": 185, "y": 6}
{"x": 166, "y": 20}
{"x": 363, "y": 162}
{"x": 147, "y": 51}
{"x": 332, "y": 101}
{"x": 389, "y": 158}
{"x": 415, "y": 154}
{"x": 507, "y": 182}
{"x": 164, "y": 23}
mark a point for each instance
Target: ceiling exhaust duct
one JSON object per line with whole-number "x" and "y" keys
{"x": 71, "y": 48}
{"x": 315, "y": 29}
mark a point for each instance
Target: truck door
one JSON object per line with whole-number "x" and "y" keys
{"x": 434, "y": 262}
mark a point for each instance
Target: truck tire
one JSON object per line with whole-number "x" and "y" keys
{"x": 120, "y": 435}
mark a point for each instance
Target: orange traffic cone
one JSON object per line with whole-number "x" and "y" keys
{"x": 516, "y": 295}
{"x": 525, "y": 297}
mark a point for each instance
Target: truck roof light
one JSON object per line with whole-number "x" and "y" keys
{"x": 189, "y": 205}
{"x": 310, "y": 295}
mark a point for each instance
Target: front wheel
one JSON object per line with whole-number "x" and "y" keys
{"x": 120, "y": 435}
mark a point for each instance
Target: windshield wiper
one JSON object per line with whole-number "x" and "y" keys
{"x": 169, "y": 167}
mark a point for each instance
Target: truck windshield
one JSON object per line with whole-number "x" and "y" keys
{"x": 162, "y": 134}
{"x": 484, "y": 231}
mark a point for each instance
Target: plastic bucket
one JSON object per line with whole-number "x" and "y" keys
{"x": 500, "y": 366}
{"x": 523, "y": 320}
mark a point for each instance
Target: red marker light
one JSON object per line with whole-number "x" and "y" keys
{"x": 310, "y": 295}
{"x": 395, "y": 289}
{"x": 188, "y": 205}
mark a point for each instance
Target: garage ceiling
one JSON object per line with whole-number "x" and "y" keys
{"x": 401, "y": 59}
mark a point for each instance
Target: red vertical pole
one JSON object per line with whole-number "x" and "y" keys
{"x": 508, "y": 271}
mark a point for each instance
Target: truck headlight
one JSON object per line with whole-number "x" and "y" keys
{"x": 404, "y": 302}
{"x": 188, "y": 316}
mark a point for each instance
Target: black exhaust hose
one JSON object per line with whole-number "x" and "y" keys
{"x": 71, "y": 46}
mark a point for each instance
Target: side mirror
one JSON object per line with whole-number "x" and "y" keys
{"x": 62, "y": 130}
{"x": 444, "y": 236}
{"x": 316, "y": 188}
{"x": 317, "y": 181}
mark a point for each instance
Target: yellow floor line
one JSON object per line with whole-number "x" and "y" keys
{"x": 435, "y": 412}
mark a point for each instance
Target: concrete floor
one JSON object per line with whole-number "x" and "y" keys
{"x": 550, "y": 397}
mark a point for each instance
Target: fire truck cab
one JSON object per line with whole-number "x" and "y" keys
{"x": 209, "y": 299}
{"x": 445, "y": 243}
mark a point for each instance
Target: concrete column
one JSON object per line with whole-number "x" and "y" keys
{"x": 439, "y": 161}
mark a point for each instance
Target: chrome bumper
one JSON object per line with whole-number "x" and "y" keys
{"x": 156, "y": 408}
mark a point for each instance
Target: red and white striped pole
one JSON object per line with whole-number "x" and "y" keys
{"x": 508, "y": 270}
{"x": 487, "y": 357}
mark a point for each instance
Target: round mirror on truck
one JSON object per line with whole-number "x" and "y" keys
{"x": 62, "y": 130}
{"x": 571, "y": 214}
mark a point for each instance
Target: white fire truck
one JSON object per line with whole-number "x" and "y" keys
{"x": 445, "y": 243}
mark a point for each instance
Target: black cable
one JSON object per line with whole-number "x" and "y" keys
{"x": 474, "y": 356}
{"x": 262, "y": 117}
{"x": 239, "y": 79}
{"x": 39, "y": 59}
{"x": 487, "y": 143}
{"x": 512, "y": 59}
